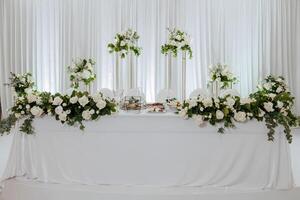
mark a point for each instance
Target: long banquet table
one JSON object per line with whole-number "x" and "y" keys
{"x": 152, "y": 150}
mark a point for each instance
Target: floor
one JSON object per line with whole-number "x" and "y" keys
{"x": 29, "y": 190}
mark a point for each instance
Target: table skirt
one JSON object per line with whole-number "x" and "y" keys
{"x": 152, "y": 150}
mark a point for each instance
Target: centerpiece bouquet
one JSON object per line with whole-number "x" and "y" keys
{"x": 125, "y": 42}
{"x": 222, "y": 74}
{"x": 177, "y": 40}
{"x": 21, "y": 82}
{"x": 82, "y": 71}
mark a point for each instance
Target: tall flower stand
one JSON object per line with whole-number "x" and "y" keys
{"x": 131, "y": 72}
{"x": 183, "y": 76}
{"x": 168, "y": 72}
{"x": 116, "y": 73}
{"x": 215, "y": 88}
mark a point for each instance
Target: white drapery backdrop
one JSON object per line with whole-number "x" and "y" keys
{"x": 254, "y": 37}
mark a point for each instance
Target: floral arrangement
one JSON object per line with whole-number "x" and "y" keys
{"x": 271, "y": 103}
{"x": 276, "y": 102}
{"x": 21, "y": 82}
{"x": 82, "y": 71}
{"x": 124, "y": 43}
{"x": 72, "y": 110}
{"x": 222, "y": 74}
{"x": 177, "y": 40}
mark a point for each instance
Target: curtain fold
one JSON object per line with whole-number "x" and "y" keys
{"x": 254, "y": 37}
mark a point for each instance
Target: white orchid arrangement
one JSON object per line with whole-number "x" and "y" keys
{"x": 72, "y": 110}
{"x": 222, "y": 74}
{"x": 82, "y": 71}
{"x": 125, "y": 42}
{"x": 177, "y": 40}
{"x": 272, "y": 104}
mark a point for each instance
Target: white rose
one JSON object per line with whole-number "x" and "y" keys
{"x": 207, "y": 102}
{"x": 86, "y": 74}
{"x": 283, "y": 111}
{"x": 230, "y": 102}
{"x": 279, "y": 104}
{"x": 86, "y": 115}
{"x": 244, "y": 101}
{"x": 279, "y": 79}
{"x": 269, "y": 106}
{"x": 272, "y": 95}
{"x": 219, "y": 114}
{"x": 182, "y": 113}
{"x": 17, "y": 115}
{"x": 63, "y": 116}
{"x": 97, "y": 97}
{"x": 279, "y": 89}
{"x": 240, "y": 116}
{"x": 101, "y": 104}
{"x": 20, "y": 98}
{"x": 192, "y": 103}
{"x": 267, "y": 86}
{"x": 83, "y": 101}
{"x": 199, "y": 120}
{"x": 27, "y": 106}
{"x": 57, "y": 101}
{"x": 39, "y": 101}
{"x": 217, "y": 100}
{"x": 173, "y": 43}
{"x": 22, "y": 112}
{"x": 28, "y": 90}
{"x": 58, "y": 110}
{"x": 31, "y": 98}
{"x": 122, "y": 43}
{"x": 261, "y": 113}
{"x": 89, "y": 66}
{"x": 73, "y": 100}
{"x": 92, "y": 111}
{"x": 36, "y": 111}
{"x": 250, "y": 114}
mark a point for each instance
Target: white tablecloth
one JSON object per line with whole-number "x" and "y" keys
{"x": 152, "y": 150}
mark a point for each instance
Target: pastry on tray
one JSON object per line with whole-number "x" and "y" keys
{"x": 155, "y": 108}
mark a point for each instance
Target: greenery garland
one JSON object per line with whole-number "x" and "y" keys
{"x": 72, "y": 110}
{"x": 272, "y": 103}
